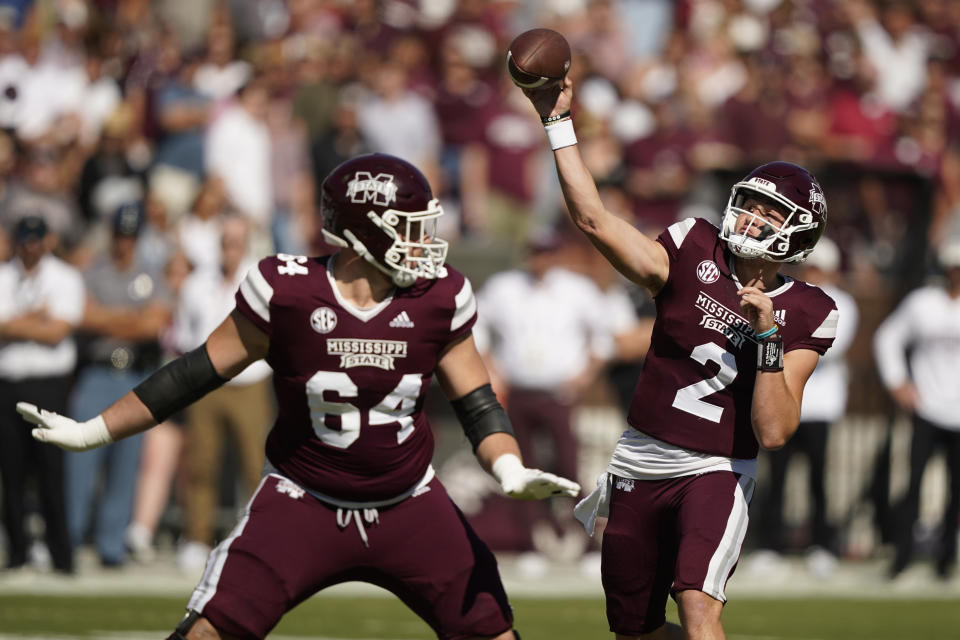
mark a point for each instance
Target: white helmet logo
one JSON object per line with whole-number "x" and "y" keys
{"x": 364, "y": 187}
{"x": 818, "y": 203}
{"x": 764, "y": 185}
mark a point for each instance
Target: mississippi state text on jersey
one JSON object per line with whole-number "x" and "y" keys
{"x": 350, "y": 382}
{"x": 696, "y": 387}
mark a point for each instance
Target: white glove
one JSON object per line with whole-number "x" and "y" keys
{"x": 64, "y": 432}
{"x": 517, "y": 481}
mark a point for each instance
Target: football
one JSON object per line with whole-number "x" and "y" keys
{"x": 538, "y": 58}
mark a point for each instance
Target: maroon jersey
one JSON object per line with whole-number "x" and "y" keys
{"x": 696, "y": 388}
{"x": 350, "y": 383}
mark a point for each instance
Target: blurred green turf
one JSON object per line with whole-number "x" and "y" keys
{"x": 551, "y": 619}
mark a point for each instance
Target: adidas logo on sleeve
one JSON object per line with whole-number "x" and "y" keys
{"x": 402, "y": 321}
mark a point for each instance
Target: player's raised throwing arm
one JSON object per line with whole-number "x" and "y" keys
{"x": 632, "y": 253}
{"x": 231, "y": 347}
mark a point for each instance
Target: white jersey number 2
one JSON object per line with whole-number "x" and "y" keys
{"x": 396, "y": 408}
{"x": 690, "y": 398}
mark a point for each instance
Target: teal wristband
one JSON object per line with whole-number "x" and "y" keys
{"x": 766, "y": 334}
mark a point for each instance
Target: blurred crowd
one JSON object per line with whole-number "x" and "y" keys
{"x": 125, "y": 100}
{"x": 158, "y": 147}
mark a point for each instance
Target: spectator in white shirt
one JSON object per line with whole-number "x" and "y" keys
{"x": 897, "y": 48}
{"x": 47, "y": 93}
{"x": 220, "y": 73}
{"x": 926, "y": 385}
{"x": 100, "y": 99}
{"x": 546, "y": 336}
{"x": 241, "y": 409}
{"x": 41, "y": 304}
{"x": 397, "y": 120}
{"x": 237, "y": 150}
{"x": 14, "y": 68}
{"x": 198, "y": 232}
{"x": 824, "y": 404}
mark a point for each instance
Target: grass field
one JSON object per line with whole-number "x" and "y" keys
{"x": 134, "y": 618}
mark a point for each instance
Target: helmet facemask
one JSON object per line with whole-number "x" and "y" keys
{"x": 415, "y": 252}
{"x": 773, "y": 243}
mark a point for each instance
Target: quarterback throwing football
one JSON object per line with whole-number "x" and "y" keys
{"x": 354, "y": 340}
{"x": 733, "y": 345}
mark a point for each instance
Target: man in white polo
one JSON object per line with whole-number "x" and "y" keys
{"x": 41, "y": 303}
{"x": 917, "y": 348}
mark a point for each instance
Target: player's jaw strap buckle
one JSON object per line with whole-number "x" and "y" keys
{"x": 344, "y": 516}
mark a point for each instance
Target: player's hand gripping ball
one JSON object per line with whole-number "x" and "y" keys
{"x": 538, "y": 58}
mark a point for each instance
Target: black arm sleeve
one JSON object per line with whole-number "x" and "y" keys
{"x": 179, "y": 383}
{"x": 480, "y": 414}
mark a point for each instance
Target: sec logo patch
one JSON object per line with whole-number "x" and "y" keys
{"x": 323, "y": 319}
{"x": 708, "y": 272}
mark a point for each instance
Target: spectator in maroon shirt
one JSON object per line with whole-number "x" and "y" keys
{"x": 658, "y": 172}
{"x": 753, "y": 119}
{"x": 860, "y": 128}
{"x": 465, "y": 102}
{"x": 511, "y": 143}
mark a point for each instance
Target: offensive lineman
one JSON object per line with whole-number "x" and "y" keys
{"x": 733, "y": 345}
{"x": 348, "y": 491}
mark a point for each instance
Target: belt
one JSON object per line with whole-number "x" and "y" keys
{"x": 120, "y": 359}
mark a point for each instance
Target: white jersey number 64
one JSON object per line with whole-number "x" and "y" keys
{"x": 396, "y": 408}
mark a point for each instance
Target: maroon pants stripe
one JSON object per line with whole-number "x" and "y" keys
{"x": 665, "y": 536}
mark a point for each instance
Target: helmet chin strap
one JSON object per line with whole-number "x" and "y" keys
{"x": 736, "y": 244}
{"x": 398, "y": 278}
{"x": 403, "y": 280}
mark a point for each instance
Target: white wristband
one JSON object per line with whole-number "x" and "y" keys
{"x": 95, "y": 432}
{"x": 506, "y": 466}
{"x": 561, "y": 134}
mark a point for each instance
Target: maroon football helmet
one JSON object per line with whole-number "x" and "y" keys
{"x": 798, "y": 197}
{"x": 382, "y": 207}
